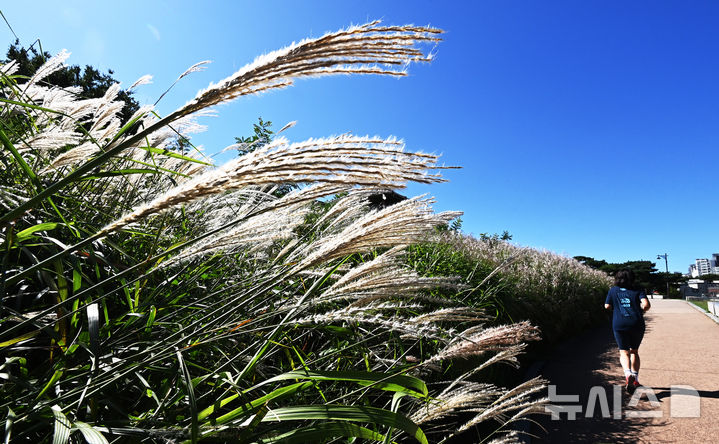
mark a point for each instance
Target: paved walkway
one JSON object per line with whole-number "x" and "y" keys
{"x": 680, "y": 354}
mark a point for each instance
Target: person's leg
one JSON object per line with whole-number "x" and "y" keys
{"x": 623, "y": 341}
{"x": 625, "y": 360}
{"x": 624, "y": 347}
{"x": 634, "y": 362}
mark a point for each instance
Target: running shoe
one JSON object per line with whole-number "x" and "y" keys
{"x": 631, "y": 384}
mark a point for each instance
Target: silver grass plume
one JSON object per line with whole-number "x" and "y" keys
{"x": 344, "y": 160}
{"x": 161, "y": 138}
{"x": 487, "y": 400}
{"x": 366, "y": 49}
{"x": 345, "y": 210}
{"x": 520, "y": 400}
{"x": 255, "y": 233}
{"x": 9, "y": 198}
{"x": 221, "y": 209}
{"x": 452, "y": 314}
{"x": 383, "y": 277}
{"x": 255, "y": 214}
{"x": 507, "y": 356}
{"x": 539, "y": 271}
{"x": 405, "y": 222}
{"x": 144, "y": 80}
{"x": 197, "y": 67}
{"x": 468, "y": 396}
{"x": 477, "y": 340}
{"x": 50, "y": 66}
{"x": 9, "y": 68}
{"x": 372, "y": 315}
{"x": 194, "y": 68}
{"x": 511, "y": 437}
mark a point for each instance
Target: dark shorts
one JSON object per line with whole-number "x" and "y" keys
{"x": 629, "y": 339}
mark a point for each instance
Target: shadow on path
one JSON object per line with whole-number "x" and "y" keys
{"x": 665, "y": 392}
{"x": 574, "y": 368}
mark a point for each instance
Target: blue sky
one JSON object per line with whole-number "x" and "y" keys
{"x": 586, "y": 128}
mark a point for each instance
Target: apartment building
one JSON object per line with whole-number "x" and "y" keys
{"x": 705, "y": 266}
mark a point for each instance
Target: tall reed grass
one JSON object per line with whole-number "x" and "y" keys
{"x": 149, "y": 296}
{"x": 554, "y": 292}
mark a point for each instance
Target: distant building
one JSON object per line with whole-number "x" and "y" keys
{"x": 704, "y": 266}
{"x": 693, "y": 271}
{"x": 701, "y": 267}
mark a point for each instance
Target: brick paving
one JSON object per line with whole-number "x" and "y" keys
{"x": 680, "y": 353}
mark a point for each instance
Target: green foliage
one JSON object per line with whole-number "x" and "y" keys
{"x": 495, "y": 237}
{"x": 456, "y": 225}
{"x": 591, "y": 262}
{"x": 261, "y": 137}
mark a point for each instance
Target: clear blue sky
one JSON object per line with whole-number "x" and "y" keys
{"x": 583, "y": 127}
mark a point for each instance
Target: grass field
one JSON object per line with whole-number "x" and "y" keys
{"x": 701, "y": 304}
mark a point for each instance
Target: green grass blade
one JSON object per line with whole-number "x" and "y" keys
{"x": 20, "y": 338}
{"x": 8, "y": 424}
{"x": 30, "y": 105}
{"x": 123, "y": 172}
{"x": 323, "y": 432}
{"x": 363, "y": 414}
{"x": 91, "y": 435}
{"x": 173, "y": 154}
{"x": 27, "y": 232}
{"x": 62, "y": 426}
{"x": 55, "y": 377}
{"x": 93, "y": 328}
{"x": 18, "y": 158}
{"x": 253, "y": 406}
{"x": 150, "y": 319}
{"x": 271, "y": 337}
{"x": 194, "y": 433}
{"x": 396, "y": 383}
{"x": 155, "y": 168}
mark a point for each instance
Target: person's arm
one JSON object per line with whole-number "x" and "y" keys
{"x": 607, "y": 302}
{"x": 646, "y": 305}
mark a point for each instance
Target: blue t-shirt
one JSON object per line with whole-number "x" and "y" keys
{"x": 628, "y": 313}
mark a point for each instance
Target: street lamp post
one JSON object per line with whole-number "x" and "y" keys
{"x": 666, "y": 264}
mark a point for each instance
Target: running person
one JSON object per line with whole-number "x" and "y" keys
{"x": 629, "y": 304}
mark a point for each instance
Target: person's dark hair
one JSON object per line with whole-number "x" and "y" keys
{"x": 624, "y": 279}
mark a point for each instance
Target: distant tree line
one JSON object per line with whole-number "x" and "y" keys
{"x": 645, "y": 272}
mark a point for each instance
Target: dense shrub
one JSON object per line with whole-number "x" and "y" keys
{"x": 554, "y": 292}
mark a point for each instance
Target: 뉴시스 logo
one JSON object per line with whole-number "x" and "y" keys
{"x": 683, "y": 403}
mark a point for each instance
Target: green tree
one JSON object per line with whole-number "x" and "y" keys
{"x": 591, "y": 262}
{"x": 645, "y": 272}
{"x": 261, "y": 137}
